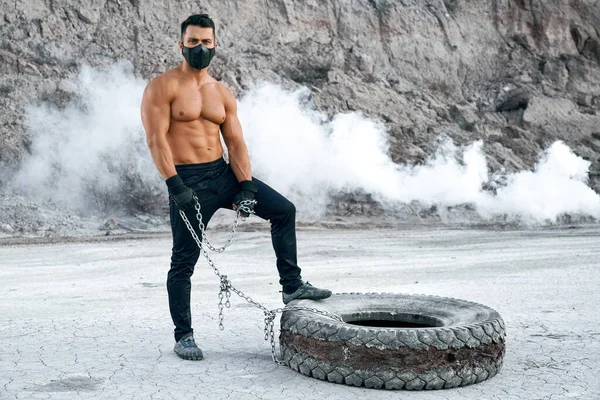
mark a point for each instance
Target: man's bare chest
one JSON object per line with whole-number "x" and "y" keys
{"x": 192, "y": 103}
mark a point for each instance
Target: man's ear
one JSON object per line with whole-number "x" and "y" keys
{"x": 180, "y": 43}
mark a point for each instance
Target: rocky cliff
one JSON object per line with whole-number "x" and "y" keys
{"x": 518, "y": 74}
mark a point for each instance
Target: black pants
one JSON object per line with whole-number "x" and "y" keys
{"x": 216, "y": 185}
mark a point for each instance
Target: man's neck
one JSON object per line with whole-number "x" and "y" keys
{"x": 198, "y": 75}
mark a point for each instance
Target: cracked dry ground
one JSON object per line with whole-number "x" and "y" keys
{"x": 90, "y": 320}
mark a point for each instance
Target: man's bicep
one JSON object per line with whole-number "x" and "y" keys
{"x": 155, "y": 111}
{"x": 231, "y": 128}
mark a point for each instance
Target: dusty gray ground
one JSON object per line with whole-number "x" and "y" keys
{"x": 90, "y": 320}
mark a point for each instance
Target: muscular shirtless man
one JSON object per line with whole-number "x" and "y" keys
{"x": 183, "y": 112}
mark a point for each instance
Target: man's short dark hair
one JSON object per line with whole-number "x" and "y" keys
{"x": 201, "y": 20}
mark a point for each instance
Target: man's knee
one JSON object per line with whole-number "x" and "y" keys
{"x": 183, "y": 262}
{"x": 289, "y": 208}
{"x": 285, "y": 211}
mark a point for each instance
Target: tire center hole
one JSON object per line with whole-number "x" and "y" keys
{"x": 392, "y": 320}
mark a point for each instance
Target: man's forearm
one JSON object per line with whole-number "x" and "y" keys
{"x": 240, "y": 162}
{"x": 162, "y": 157}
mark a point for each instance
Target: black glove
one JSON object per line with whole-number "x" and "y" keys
{"x": 247, "y": 192}
{"x": 182, "y": 195}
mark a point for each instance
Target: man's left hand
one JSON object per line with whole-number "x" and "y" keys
{"x": 247, "y": 191}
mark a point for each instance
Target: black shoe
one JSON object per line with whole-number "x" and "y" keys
{"x": 306, "y": 291}
{"x": 186, "y": 348}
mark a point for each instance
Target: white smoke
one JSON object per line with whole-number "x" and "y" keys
{"x": 557, "y": 185}
{"x": 293, "y": 148}
{"x": 80, "y": 154}
{"x": 306, "y": 157}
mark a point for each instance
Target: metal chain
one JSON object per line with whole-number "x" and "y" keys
{"x": 244, "y": 206}
{"x": 226, "y": 287}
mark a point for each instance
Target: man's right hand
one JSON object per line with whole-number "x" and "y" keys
{"x": 182, "y": 194}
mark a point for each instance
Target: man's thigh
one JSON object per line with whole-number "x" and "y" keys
{"x": 269, "y": 202}
{"x": 183, "y": 240}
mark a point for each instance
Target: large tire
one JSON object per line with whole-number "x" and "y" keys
{"x": 464, "y": 346}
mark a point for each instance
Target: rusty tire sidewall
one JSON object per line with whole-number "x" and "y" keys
{"x": 468, "y": 348}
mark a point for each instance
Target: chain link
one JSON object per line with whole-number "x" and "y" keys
{"x": 226, "y": 287}
{"x": 244, "y": 206}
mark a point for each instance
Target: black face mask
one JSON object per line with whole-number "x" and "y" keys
{"x": 199, "y": 56}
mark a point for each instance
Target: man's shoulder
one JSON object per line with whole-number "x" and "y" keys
{"x": 166, "y": 78}
{"x": 164, "y": 84}
{"x": 225, "y": 91}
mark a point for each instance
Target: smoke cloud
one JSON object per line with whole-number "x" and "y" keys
{"x": 92, "y": 154}
{"x": 307, "y": 157}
